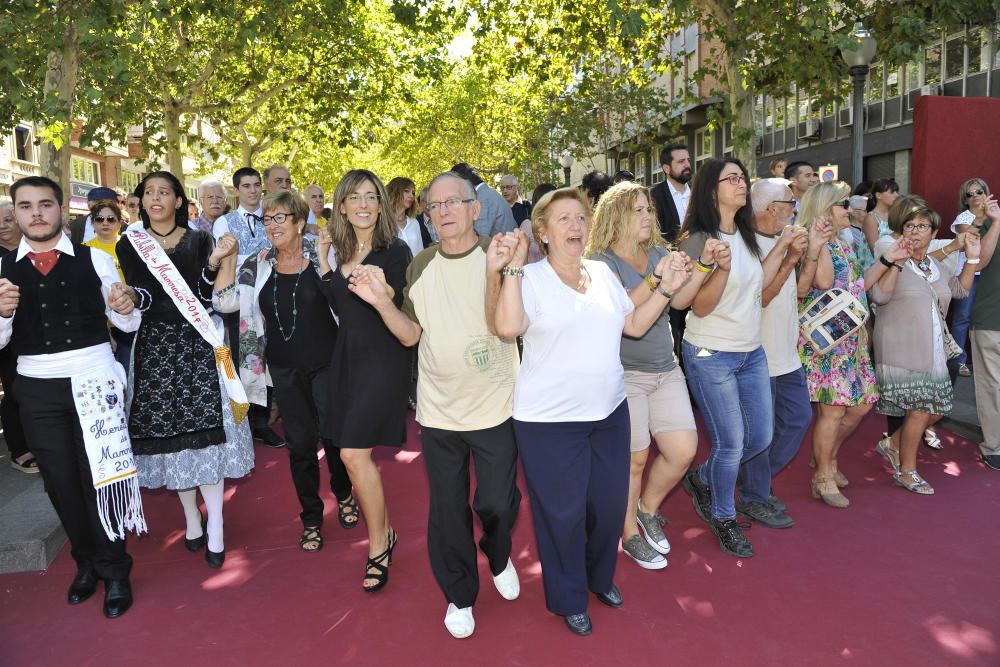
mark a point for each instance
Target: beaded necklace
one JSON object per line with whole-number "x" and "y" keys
{"x": 295, "y": 308}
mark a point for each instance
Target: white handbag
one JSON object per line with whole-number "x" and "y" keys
{"x": 831, "y": 318}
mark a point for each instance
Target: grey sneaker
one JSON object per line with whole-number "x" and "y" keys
{"x": 776, "y": 502}
{"x": 643, "y": 554}
{"x": 764, "y": 514}
{"x": 652, "y": 530}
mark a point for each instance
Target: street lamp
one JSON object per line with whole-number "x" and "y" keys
{"x": 858, "y": 58}
{"x": 566, "y": 160}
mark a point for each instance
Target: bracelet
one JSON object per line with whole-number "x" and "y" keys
{"x": 812, "y": 259}
{"x": 701, "y": 266}
{"x": 973, "y": 262}
{"x": 517, "y": 271}
{"x": 648, "y": 279}
{"x": 888, "y": 264}
{"x": 213, "y": 267}
{"x": 660, "y": 290}
{"x": 657, "y": 276}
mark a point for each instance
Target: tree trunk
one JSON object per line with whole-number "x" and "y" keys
{"x": 740, "y": 100}
{"x": 61, "y": 75}
{"x": 172, "y": 130}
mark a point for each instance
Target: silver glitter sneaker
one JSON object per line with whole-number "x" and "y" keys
{"x": 652, "y": 530}
{"x": 647, "y": 558}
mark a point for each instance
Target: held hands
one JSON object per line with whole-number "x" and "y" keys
{"x": 676, "y": 271}
{"x": 226, "y": 246}
{"x": 122, "y": 299}
{"x": 724, "y": 256}
{"x": 507, "y": 249}
{"x": 820, "y": 232}
{"x": 9, "y": 295}
{"x": 708, "y": 252}
{"x": 992, "y": 209}
{"x": 971, "y": 245}
{"x": 899, "y": 250}
{"x": 369, "y": 283}
{"x": 799, "y": 243}
{"x": 323, "y": 242}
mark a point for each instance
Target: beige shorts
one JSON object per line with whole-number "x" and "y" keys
{"x": 657, "y": 403}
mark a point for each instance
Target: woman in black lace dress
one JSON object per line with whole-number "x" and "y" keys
{"x": 183, "y": 430}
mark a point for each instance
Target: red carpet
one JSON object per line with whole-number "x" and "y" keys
{"x": 896, "y": 579}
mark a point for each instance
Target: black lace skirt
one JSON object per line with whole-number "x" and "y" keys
{"x": 176, "y": 401}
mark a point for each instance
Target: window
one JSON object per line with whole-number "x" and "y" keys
{"x": 768, "y": 115}
{"x": 912, "y": 76}
{"x": 954, "y": 54}
{"x": 85, "y": 171}
{"x": 892, "y": 83}
{"x": 640, "y": 167}
{"x": 192, "y": 193}
{"x": 979, "y": 50}
{"x": 129, "y": 181}
{"x": 727, "y": 139}
{"x": 874, "y": 93}
{"x": 704, "y": 140}
{"x": 932, "y": 64}
{"x": 24, "y": 147}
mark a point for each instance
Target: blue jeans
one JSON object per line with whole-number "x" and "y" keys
{"x": 792, "y": 415}
{"x": 961, "y": 315}
{"x": 733, "y": 392}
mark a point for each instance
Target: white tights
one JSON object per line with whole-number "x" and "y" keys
{"x": 212, "y": 494}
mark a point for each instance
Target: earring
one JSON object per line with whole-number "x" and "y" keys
{"x": 545, "y": 240}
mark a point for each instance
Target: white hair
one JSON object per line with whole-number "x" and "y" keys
{"x": 312, "y": 185}
{"x": 767, "y": 190}
{"x": 205, "y": 185}
{"x": 470, "y": 189}
{"x": 512, "y": 178}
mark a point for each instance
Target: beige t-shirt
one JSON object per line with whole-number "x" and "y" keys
{"x": 466, "y": 374}
{"x": 780, "y": 321}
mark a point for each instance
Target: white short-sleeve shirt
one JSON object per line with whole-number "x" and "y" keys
{"x": 571, "y": 369}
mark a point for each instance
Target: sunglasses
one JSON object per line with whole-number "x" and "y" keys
{"x": 846, "y": 204}
{"x": 101, "y": 218}
{"x": 974, "y": 193}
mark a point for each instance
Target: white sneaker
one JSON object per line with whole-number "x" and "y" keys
{"x": 507, "y": 583}
{"x": 459, "y": 621}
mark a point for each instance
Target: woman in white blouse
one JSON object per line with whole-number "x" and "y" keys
{"x": 570, "y": 414}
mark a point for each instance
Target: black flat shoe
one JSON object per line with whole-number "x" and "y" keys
{"x": 215, "y": 558}
{"x": 267, "y": 435}
{"x": 612, "y": 598}
{"x": 117, "y": 597}
{"x": 579, "y": 624}
{"x": 198, "y": 543}
{"x": 83, "y": 586}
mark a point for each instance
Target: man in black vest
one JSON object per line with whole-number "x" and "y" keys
{"x": 671, "y": 199}
{"x": 58, "y": 330}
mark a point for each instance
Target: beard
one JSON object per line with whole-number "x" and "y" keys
{"x": 682, "y": 177}
{"x": 43, "y": 236}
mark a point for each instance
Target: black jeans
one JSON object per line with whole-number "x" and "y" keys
{"x": 53, "y": 430}
{"x": 302, "y": 396}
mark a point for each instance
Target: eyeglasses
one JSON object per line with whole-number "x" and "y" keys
{"x": 367, "y": 198}
{"x": 443, "y": 206}
{"x": 734, "y": 179}
{"x": 507, "y": 187}
{"x": 917, "y": 227}
{"x": 101, "y": 218}
{"x": 846, "y": 204}
{"x": 277, "y": 219}
{"x": 974, "y": 193}
{"x": 790, "y": 202}
{"x": 214, "y": 197}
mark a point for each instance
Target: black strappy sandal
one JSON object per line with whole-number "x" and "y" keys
{"x": 311, "y": 536}
{"x": 380, "y": 564}
{"x": 348, "y": 509}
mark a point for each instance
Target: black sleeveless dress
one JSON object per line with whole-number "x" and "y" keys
{"x": 370, "y": 368}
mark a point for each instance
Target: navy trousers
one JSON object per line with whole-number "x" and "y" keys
{"x": 577, "y": 475}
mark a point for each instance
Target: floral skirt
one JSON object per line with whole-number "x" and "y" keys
{"x": 843, "y": 376}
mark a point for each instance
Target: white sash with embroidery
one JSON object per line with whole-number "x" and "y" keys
{"x": 99, "y": 394}
{"x": 163, "y": 269}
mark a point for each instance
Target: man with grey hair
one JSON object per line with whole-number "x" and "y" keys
{"x": 773, "y": 208}
{"x": 465, "y": 391}
{"x": 520, "y": 208}
{"x": 316, "y": 199}
{"x": 494, "y": 214}
{"x": 277, "y": 177}
{"x": 212, "y": 198}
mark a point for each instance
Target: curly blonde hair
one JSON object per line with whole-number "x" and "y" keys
{"x": 614, "y": 216}
{"x": 819, "y": 200}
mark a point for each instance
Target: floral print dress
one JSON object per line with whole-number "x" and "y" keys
{"x": 845, "y": 375}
